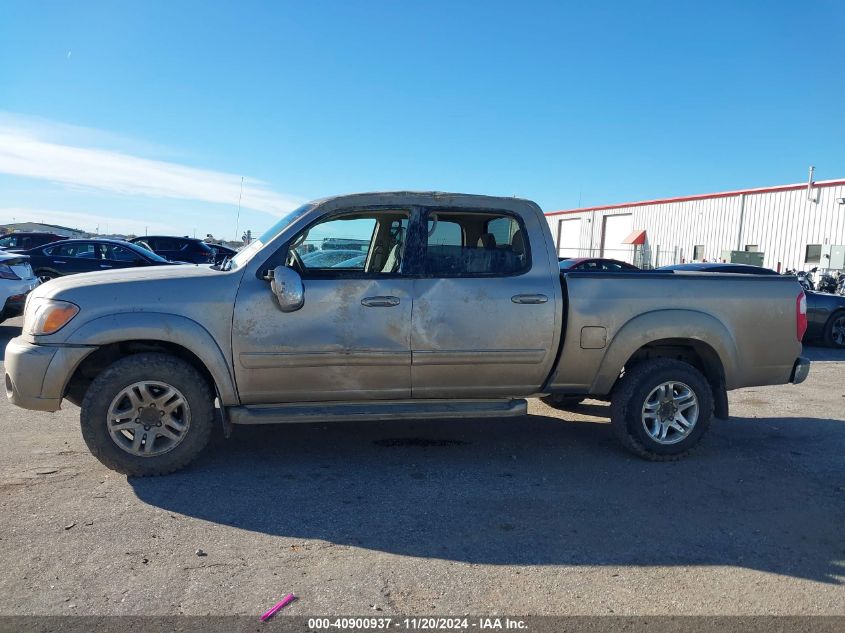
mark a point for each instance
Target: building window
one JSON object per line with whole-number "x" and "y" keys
{"x": 752, "y": 248}
{"x": 698, "y": 252}
{"x": 813, "y": 254}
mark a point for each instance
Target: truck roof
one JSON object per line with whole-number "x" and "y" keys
{"x": 424, "y": 198}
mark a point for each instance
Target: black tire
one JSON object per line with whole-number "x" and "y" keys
{"x": 563, "y": 403}
{"x": 829, "y": 339}
{"x": 151, "y": 367}
{"x": 46, "y": 275}
{"x": 630, "y": 395}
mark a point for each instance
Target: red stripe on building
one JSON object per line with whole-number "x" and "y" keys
{"x": 703, "y": 196}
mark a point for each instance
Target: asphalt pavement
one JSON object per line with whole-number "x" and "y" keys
{"x": 537, "y": 515}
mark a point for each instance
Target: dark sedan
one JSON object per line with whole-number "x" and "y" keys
{"x": 20, "y": 241}
{"x": 81, "y": 256}
{"x": 825, "y": 312}
{"x": 221, "y": 252}
{"x": 595, "y": 264}
{"x": 719, "y": 267}
{"x": 178, "y": 249}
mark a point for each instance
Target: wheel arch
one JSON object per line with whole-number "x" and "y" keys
{"x": 46, "y": 269}
{"x": 117, "y": 336}
{"x": 693, "y": 337}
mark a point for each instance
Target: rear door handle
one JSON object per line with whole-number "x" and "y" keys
{"x": 380, "y": 302}
{"x": 530, "y": 299}
{"x": 104, "y": 266}
{"x": 56, "y": 261}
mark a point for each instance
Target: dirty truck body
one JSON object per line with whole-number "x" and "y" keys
{"x": 455, "y": 308}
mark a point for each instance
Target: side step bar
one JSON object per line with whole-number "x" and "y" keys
{"x": 373, "y": 411}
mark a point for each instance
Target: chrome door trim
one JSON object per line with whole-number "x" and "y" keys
{"x": 346, "y": 358}
{"x": 478, "y": 357}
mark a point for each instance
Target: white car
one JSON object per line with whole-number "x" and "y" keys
{"x": 16, "y": 280}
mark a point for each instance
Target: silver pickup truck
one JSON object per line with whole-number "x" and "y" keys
{"x": 392, "y": 306}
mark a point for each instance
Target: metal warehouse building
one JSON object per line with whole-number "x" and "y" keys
{"x": 790, "y": 226}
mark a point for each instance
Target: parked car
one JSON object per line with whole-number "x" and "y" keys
{"x": 19, "y": 242}
{"x": 359, "y": 261}
{"x": 826, "y": 319}
{"x": 178, "y": 249}
{"x": 720, "y": 267}
{"x": 460, "y": 311}
{"x": 329, "y": 258}
{"x": 595, "y": 264}
{"x": 221, "y": 252}
{"x": 16, "y": 281}
{"x": 825, "y": 312}
{"x": 69, "y": 257}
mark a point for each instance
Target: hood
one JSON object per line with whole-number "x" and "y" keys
{"x": 125, "y": 279}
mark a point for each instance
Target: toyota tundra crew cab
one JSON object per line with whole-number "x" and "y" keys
{"x": 390, "y": 306}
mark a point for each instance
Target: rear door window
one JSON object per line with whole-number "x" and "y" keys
{"x": 164, "y": 244}
{"x": 83, "y": 250}
{"x": 475, "y": 243}
{"x": 121, "y": 254}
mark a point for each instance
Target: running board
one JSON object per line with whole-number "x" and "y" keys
{"x": 373, "y": 411}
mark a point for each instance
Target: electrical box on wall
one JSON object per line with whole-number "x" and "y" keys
{"x": 833, "y": 256}
{"x": 753, "y": 258}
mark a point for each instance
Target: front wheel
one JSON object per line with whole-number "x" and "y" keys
{"x": 834, "y": 331}
{"x": 45, "y": 275}
{"x": 147, "y": 414}
{"x": 661, "y": 408}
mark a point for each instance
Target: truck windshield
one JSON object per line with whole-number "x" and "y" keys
{"x": 247, "y": 253}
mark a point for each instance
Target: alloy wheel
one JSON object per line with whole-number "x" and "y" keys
{"x": 148, "y": 418}
{"x": 670, "y": 412}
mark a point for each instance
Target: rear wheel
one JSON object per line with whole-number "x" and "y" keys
{"x": 661, "y": 408}
{"x": 834, "y": 331}
{"x": 564, "y": 403}
{"x": 147, "y": 414}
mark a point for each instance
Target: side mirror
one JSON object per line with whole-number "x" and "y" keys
{"x": 287, "y": 286}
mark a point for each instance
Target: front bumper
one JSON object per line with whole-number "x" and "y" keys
{"x": 36, "y": 375}
{"x": 800, "y": 370}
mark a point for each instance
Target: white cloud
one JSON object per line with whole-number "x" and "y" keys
{"x": 25, "y": 152}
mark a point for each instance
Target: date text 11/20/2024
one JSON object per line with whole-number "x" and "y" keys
{"x": 417, "y": 624}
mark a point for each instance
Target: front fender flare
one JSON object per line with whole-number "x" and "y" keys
{"x": 661, "y": 325}
{"x": 168, "y": 328}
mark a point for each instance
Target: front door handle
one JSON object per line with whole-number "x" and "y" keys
{"x": 56, "y": 261}
{"x": 530, "y": 299}
{"x": 104, "y": 266}
{"x": 380, "y": 302}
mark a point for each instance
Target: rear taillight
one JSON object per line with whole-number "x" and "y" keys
{"x": 6, "y": 272}
{"x": 801, "y": 315}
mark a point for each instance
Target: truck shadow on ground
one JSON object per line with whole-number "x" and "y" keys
{"x": 759, "y": 493}
{"x": 824, "y": 353}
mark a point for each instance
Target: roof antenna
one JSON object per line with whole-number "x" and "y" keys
{"x": 238, "y": 221}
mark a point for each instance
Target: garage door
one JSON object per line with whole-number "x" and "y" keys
{"x": 569, "y": 238}
{"x": 615, "y": 228}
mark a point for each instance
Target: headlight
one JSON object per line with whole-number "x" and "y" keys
{"x": 47, "y": 316}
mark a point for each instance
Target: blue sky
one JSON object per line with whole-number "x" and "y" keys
{"x": 134, "y": 115}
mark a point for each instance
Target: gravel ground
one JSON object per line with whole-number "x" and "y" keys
{"x": 541, "y": 515}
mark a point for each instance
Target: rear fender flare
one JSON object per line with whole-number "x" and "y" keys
{"x": 659, "y": 325}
